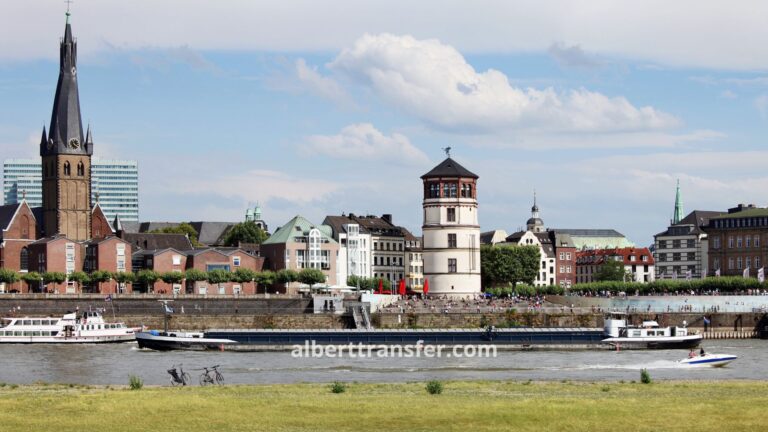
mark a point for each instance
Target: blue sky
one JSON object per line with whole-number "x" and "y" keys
{"x": 319, "y": 108}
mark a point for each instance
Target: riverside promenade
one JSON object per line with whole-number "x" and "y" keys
{"x": 726, "y": 316}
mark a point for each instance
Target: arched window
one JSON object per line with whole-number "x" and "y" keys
{"x": 434, "y": 190}
{"x": 24, "y": 259}
{"x": 67, "y": 169}
{"x": 80, "y": 169}
{"x": 469, "y": 191}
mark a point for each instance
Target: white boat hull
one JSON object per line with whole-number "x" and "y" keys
{"x": 709, "y": 360}
{"x": 656, "y": 342}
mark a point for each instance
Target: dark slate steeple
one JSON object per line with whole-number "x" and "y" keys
{"x": 65, "y": 136}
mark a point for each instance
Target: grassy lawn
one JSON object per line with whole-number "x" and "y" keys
{"x": 463, "y": 406}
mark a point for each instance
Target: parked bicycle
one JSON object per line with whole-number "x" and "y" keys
{"x": 178, "y": 376}
{"x": 211, "y": 376}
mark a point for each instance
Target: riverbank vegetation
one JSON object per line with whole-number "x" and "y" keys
{"x": 477, "y": 406}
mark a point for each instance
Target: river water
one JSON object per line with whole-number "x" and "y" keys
{"x": 112, "y": 364}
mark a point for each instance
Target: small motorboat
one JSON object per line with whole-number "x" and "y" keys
{"x": 712, "y": 360}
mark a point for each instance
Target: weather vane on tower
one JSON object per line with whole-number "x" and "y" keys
{"x": 69, "y": 3}
{"x": 447, "y": 151}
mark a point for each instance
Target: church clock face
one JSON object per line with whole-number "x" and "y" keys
{"x": 74, "y": 143}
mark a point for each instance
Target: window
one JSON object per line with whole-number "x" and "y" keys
{"x": 716, "y": 242}
{"x": 451, "y": 265}
{"x": 434, "y": 190}
{"x": 24, "y": 259}
{"x": 748, "y": 262}
{"x": 80, "y": 169}
{"x": 236, "y": 261}
{"x": 67, "y": 169}
{"x": 451, "y": 214}
{"x": 757, "y": 262}
{"x": 567, "y": 269}
{"x": 177, "y": 260}
{"x": 747, "y": 241}
{"x": 568, "y": 256}
{"x": 645, "y": 258}
{"x": 716, "y": 263}
{"x": 730, "y": 263}
{"x": 730, "y": 242}
{"x": 756, "y": 241}
{"x": 739, "y": 263}
{"x": 562, "y": 255}
{"x": 562, "y": 269}
{"x": 451, "y": 240}
{"x": 739, "y": 242}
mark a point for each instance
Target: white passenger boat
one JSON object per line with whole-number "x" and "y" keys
{"x": 712, "y": 360}
{"x": 647, "y": 336}
{"x": 88, "y": 327}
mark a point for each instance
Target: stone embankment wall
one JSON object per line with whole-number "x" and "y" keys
{"x": 294, "y": 313}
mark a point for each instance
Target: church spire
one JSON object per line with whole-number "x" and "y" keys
{"x": 66, "y": 130}
{"x": 678, "y": 215}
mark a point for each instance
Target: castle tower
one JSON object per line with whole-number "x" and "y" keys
{"x": 451, "y": 230}
{"x": 66, "y": 154}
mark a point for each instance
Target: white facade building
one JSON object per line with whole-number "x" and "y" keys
{"x": 451, "y": 232}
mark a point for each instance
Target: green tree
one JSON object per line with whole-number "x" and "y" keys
{"x": 172, "y": 277}
{"x": 100, "y": 276}
{"x": 244, "y": 275}
{"x": 182, "y": 228}
{"x": 245, "y": 232}
{"x": 193, "y": 276}
{"x": 80, "y": 278}
{"x": 219, "y": 276}
{"x": 32, "y": 278}
{"x": 124, "y": 278}
{"x": 286, "y": 276}
{"x": 54, "y": 277}
{"x": 8, "y": 276}
{"x": 610, "y": 270}
{"x": 311, "y": 276}
{"x": 148, "y": 279}
{"x": 265, "y": 278}
{"x": 509, "y": 264}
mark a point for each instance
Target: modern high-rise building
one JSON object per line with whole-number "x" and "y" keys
{"x": 114, "y": 184}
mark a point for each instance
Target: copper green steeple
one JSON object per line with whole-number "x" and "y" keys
{"x": 678, "y": 215}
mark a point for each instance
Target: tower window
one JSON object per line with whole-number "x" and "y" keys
{"x": 24, "y": 260}
{"x": 67, "y": 169}
{"x": 451, "y": 214}
{"x": 80, "y": 169}
{"x": 450, "y": 190}
{"x": 434, "y": 190}
{"x": 451, "y": 240}
{"x": 451, "y": 265}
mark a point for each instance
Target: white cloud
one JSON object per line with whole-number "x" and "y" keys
{"x": 364, "y": 142}
{"x": 322, "y": 86}
{"x": 434, "y": 82}
{"x": 572, "y": 56}
{"x": 687, "y": 33}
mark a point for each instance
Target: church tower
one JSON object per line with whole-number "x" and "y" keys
{"x": 451, "y": 230}
{"x": 678, "y": 214}
{"x": 66, "y": 154}
{"x": 535, "y": 223}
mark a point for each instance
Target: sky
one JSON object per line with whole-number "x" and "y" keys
{"x": 319, "y": 108}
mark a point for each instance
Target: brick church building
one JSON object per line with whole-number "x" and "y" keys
{"x": 69, "y": 233}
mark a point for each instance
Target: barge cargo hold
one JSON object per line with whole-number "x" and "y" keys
{"x": 260, "y": 340}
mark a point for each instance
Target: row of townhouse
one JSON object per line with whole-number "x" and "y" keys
{"x": 347, "y": 245}
{"x": 24, "y": 250}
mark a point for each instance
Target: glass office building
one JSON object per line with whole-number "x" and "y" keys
{"x": 114, "y": 183}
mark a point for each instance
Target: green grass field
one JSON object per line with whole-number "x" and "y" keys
{"x": 463, "y": 406}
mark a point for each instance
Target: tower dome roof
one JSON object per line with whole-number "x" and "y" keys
{"x": 449, "y": 168}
